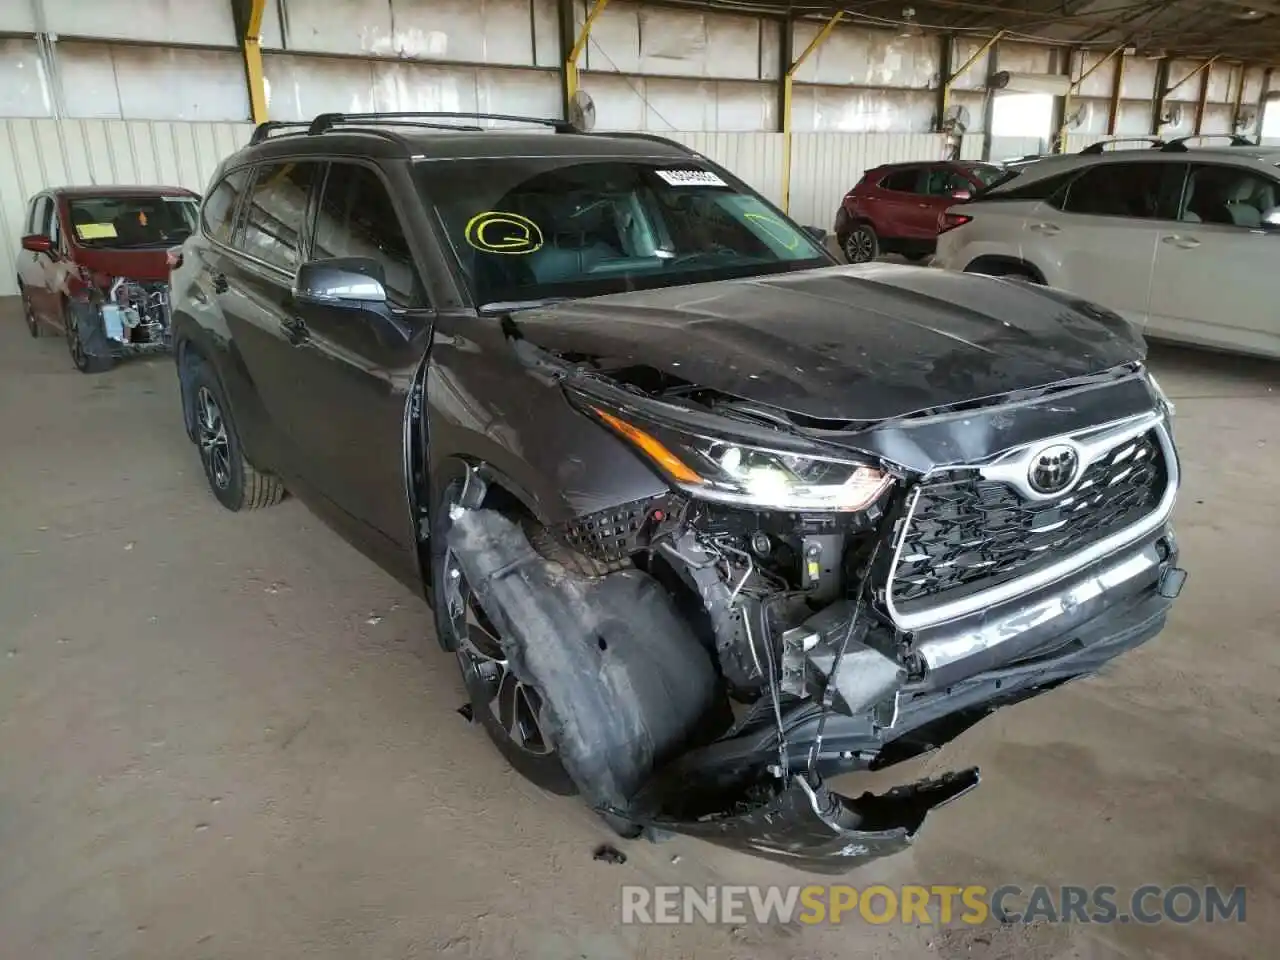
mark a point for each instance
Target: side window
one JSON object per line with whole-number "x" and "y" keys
{"x": 357, "y": 218}
{"x": 220, "y": 206}
{"x": 942, "y": 182}
{"x": 904, "y": 181}
{"x": 276, "y": 212}
{"x": 1231, "y": 196}
{"x": 39, "y": 215}
{"x": 1136, "y": 190}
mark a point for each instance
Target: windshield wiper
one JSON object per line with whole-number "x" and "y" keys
{"x": 511, "y": 306}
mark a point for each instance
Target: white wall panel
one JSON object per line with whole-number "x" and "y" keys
{"x": 1025, "y": 58}
{"x": 1139, "y": 80}
{"x": 633, "y": 38}
{"x": 1133, "y": 119}
{"x": 659, "y": 105}
{"x": 1078, "y": 141}
{"x": 1217, "y": 120}
{"x": 825, "y": 165}
{"x": 157, "y": 21}
{"x": 976, "y": 104}
{"x": 756, "y": 158}
{"x": 546, "y": 33}
{"x": 850, "y": 110}
{"x": 1010, "y": 148}
{"x": 101, "y": 80}
{"x": 1098, "y": 83}
{"x": 1189, "y": 90}
{"x": 1254, "y": 79}
{"x": 973, "y": 146}
{"x": 24, "y": 89}
{"x": 103, "y": 152}
{"x": 866, "y": 57}
{"x": 17, "y": 16}
{"x": 299, "y": 87}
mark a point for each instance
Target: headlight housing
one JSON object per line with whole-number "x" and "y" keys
{"x": 752, "y": 476}
{"x": 1163, "y": 397}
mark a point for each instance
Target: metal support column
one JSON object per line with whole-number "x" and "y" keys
{"x": 1237, "y": 100}
{"x": 1162, "y": 78}
{"x": 1201, "y": 101}
{"x": 1157, "y": 103}
{"x": 1117, "y": 88}
{"x": 251, "y": 45}
{"x": 570, "y": 70}
{"x": 788, "y": 83}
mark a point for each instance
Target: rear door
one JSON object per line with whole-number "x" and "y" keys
{"x": 1215, "y": 272}
{"x": 902, "y": 211}
{"x": 1098, "y": 238}
{"x": 361, "y": 361}
{"x": 253, "y": 281}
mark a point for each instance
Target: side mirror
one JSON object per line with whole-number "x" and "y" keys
{"x": 818, "y": 233}
{"x": 37, "y": 243}
{"x": 960, "y": 194}
{"x": 344, "y": 280}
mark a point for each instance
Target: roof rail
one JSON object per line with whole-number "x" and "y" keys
{"x": 653, "y": 137}
{"x": 327, "y": 121}
{"x": 264, "y": 130}
{"x": 1100, "y": 147}
{"x": 1179, "y": 145}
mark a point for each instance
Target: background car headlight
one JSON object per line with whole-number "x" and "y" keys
{"x": 729, "y": 472}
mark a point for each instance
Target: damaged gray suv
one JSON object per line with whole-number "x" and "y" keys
{"x": 705, "y": 517}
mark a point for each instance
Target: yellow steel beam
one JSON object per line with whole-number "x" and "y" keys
{"x": 1117, "y": 86}
{"x": 252, "y": 46}
{"x": 946, "y": 84}
{"x": 1192, "y": 75}
{"x": 788, "y": 84}
{"x": 1238, "y": 100}
{"x": 1075, "y": 85}
{"x": 579, "y": 45}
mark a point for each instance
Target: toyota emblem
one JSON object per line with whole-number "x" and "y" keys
{"x": 1053, "y": 469}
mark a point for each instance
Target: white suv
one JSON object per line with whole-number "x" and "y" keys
{"x": 1184, "y": 243}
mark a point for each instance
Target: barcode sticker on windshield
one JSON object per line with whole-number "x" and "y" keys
{"x": 691, "y": 178}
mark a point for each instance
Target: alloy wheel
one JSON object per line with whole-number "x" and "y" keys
{"x": 514, "y": 704}
{"x": 211, "y": 428}
{"x": 860, "y": 246}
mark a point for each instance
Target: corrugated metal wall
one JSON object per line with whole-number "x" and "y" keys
{"x": 35, "y": 155}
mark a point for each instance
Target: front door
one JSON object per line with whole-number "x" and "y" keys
{"x": 1214, "y": 281}
{"x": 36, "y": 269}
{"x": 355, "y": 365}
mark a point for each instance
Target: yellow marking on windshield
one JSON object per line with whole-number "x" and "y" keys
{"x": 497, "y": 231}
{"x": 775, "y": 228}
{"x": 95, "y": 231}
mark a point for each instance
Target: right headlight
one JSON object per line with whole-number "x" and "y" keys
{"x": 716, "y": 469}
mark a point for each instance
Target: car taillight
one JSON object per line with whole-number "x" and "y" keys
{"x": 949, "y": 221}
{"x": 173, "y": 257}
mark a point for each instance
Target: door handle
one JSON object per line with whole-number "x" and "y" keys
{"x": 1183, "y": 243}
{"x": 295, "y": 330}
{"x": 1046, "y": 228}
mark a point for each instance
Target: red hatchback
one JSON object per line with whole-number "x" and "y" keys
{"x": 94, "y": 265}
{"x": 895, "y": 208}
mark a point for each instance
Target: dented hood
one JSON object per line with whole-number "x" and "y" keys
{"x": 849, "y": 343}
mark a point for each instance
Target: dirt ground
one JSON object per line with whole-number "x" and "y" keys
{"x": 227, "y": 736}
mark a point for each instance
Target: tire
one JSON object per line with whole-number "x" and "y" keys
{"x": 860, "y": 244}
{"x": 235, "y": 483}
{"x": 86, "y": 338}
{"x": 499, "y": 701}
{"x": 29, "y": 314}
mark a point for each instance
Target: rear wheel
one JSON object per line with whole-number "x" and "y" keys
{"x": 29, "y": 313}
{"x": 234, "y": 481}
{"x": 860, "y": 244}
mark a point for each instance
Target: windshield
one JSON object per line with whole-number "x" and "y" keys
{"x": 124, "y": 222}
{"x": 541, "y": 228}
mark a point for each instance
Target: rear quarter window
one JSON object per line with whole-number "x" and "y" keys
{"x": 218, "y": 215}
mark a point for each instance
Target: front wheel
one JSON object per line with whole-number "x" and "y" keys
{"x": 509, "y": 709}
{"x": 29, "y": 314}
{"x": 861, "y": 244}
{"x": 86, "y": 339}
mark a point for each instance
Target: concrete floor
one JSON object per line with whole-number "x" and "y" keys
{"x": 228, "y": 736}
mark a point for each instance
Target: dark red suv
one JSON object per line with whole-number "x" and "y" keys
{"x": 94, "y": 264}
{"x": 895, "y": 208}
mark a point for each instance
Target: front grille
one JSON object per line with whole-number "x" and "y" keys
{"x": 967, "y": 534}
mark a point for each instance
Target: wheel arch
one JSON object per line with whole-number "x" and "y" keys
{"x": 989, "y": 263}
